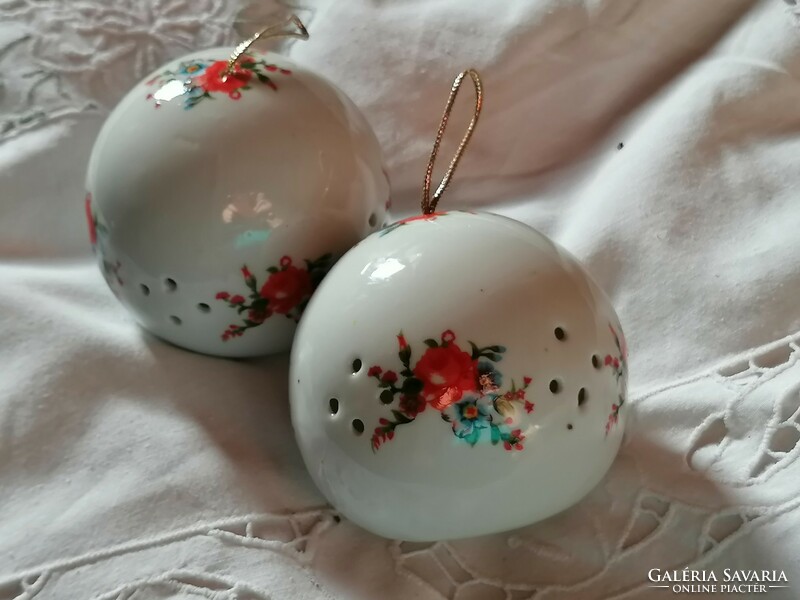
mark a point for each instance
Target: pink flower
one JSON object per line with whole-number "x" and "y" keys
{"x": 609, "y": 359}
{"x": 246, "y": 273}
{"x": 401, "y": 341}
{"x": 286, "y": 261}
{"x": 448, "y": 336}
{"x": 90, "y": 219}
{"x": 529, "y": 406}
{"x": 237, "y": 299}
{"x": 222, "y": 295}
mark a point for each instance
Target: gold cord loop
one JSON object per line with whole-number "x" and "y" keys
{"x": 273, "y": 31}
{"x": 429, "y": 202}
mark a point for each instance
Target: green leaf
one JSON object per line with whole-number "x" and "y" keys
{"x": 495, "y": 433}
{"x": 400, "y": 418}
{"x": 431, "y": 343}
{"x": 475, "y": 351}
{"x": 262, "y": 78}
{"x": 273, "y": 270}
{"x": 405, "y": 355}
{"x": 472, "y": 437}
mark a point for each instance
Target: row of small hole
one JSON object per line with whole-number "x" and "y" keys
{"x": 170, "y": 285}
{"x": 555, "y": 386}
{"x": 358, "y": 424}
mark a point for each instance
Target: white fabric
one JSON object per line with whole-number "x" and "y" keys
{"x": 130, "y": 469}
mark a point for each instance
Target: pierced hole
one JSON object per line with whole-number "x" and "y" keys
{"x": 358, "y": 426}
{"x": 555, "y": 387}
{"x": 569, "y": 426}
{"x": 170, "y": 285}
{"x": 334, "y": 404}
{"x": 559, "y": 333}
{"x": 373, "y": 219}
{"x": 582, "y": 396}
{"x": 356, "y": 366}
{"x": 176, "y": 320}
{"x": 145, "y": 289}
{"x": 203, "y": 307}
{"x": 596, "y": 361}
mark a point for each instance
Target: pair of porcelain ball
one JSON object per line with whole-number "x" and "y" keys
{"x": 453, "y": 374}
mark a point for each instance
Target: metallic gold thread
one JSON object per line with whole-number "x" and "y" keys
{"x": 429, "y": 202}
{"x": 272, "y": 31}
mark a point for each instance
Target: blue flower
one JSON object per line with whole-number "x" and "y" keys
{"x": 192, "y": 68}
{"x": 469, "y": 417}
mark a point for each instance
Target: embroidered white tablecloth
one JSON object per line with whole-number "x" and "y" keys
{"x": 658, "y": 141}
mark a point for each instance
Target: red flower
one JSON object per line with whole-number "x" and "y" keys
{"x": 446, "y": 373}
{"x": 222, "y": 295}
{"x": 286, "y": 289}
{"x": 609, "y": 359}
{"x": 520, "y": 394}
{"x": 373, "y": 371}
{"x": 507, "y": 445}
{"x": 616, "y": 363}
{"x": 90, "y": 220}
{"x": 448, "y": 336}
{"x": 529, "y": 406}
{"x": 212, "y": 79}
{"x": 286, "y": 261}
{"x": 412, "y": 405}
{"x": 237, "y": 299}
{"x": 527, "y": 380}
{"x": 246, "y": 273}
{"x": 258, "y": 315}
{"x": 389, "y": 377}
{"x": 420, "y": 218}
{"x": 401, "y": 340}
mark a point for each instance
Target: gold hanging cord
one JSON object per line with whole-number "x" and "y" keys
{"x": 272, "y": 31}
{"x": 429, "y": 202}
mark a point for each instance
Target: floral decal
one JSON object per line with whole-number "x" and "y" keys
{"x": 401, "y": 222}
{"x": 463, "y": 386}
{"x": 286, "y": 292}
{"x": 199, "y": 80}
{"x": 98, "y": 233}
{"x": 619, "y": 367}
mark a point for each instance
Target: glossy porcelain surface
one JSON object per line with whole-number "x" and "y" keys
{"x": 457, "y": 375}
{"x": 216, "y": 205}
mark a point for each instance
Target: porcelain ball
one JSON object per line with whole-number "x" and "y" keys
{"x": 217, "y": 203}
{"x": 457, "y": 374}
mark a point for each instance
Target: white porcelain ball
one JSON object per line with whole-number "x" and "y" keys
{"x": 216, "y": 204}
{"x": 455, "y": 375}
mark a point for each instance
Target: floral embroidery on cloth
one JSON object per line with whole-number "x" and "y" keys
{"x": 198, "y": 80}
{"x": 286, "y": 291}
{"x": 464, "y": 386}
